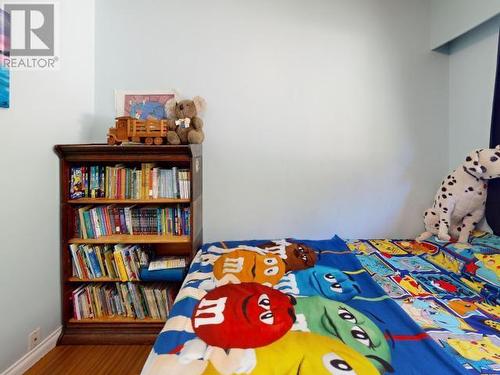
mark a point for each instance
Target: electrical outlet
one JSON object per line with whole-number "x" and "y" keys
{"x": 34, "y": 338}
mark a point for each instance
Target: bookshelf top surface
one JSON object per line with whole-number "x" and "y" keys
{"x": 102, "y": 148}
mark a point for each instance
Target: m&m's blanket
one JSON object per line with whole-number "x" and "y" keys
{"x": 295, "y": 307}
{"x": 450, "y": 289}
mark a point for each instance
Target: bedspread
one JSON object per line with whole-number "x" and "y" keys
{"x": 293, "y": 307}
{"x": 449, "y": 289}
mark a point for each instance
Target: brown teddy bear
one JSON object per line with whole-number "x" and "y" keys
{"x": 184, "y": 124}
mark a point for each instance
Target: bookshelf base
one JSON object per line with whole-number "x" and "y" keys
{"x": 117, "y": 320}
{"x": 110, "y": 334}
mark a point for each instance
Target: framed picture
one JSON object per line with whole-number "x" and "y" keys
{"x": 143, "y": 104}
{"x": 4, "y": 55}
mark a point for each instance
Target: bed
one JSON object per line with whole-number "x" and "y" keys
{"x": 326, "y": 307}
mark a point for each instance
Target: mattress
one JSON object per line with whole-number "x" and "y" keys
{"x": 308, "y": 307}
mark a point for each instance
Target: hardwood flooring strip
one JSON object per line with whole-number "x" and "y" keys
{"x": 92, "y": 360}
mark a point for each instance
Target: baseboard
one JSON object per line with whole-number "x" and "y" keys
{"x": 33, "y": 356}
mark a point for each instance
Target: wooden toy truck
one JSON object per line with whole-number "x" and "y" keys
{"x": 128, "y": 129}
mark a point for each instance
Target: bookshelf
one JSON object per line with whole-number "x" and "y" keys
{"x": 120, "y": 329}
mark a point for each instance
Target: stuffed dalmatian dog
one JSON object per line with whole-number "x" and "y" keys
{"x": 460, "y": 201}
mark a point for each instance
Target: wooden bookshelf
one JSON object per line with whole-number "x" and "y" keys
{"x": 116, "y": 329}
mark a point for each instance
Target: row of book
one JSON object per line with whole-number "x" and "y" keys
{"x": 106, "y": 220}
{"x": 109, "y": 261}
{"x": 122, "y": 182}
{"x": 126, "y": 300}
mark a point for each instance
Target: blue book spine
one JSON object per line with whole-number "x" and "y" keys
{"x": 88, "y": 263}
{"x": 88, "y": 225}
{"x": 95, "y": 264}
{"x": 96, "y": 181}
{"x": 102, "y": 182}
{"x": 123, "y": 225}
{"x": 102, "y": 222}
{"x": 183, "y": 222}
{"x": 158, "y": 221}
{"x": 172, "y": 274}
{"x": 92, "y": 181}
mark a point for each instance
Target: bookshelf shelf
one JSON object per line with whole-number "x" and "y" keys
{"x": 128, "y": 201}
{"x": 115, "y": 320}
{"x": 131, "y": 239}
{"x": 98, "y": 280}
{"x": 118, "y": 329}
{"x": 105, "y": 280}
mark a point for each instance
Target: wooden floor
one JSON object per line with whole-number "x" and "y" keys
{"x": 92, "y": 360}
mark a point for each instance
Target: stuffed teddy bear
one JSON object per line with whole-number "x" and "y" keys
{"x": 459, "y": 203}
{"x": 184, "y": 124}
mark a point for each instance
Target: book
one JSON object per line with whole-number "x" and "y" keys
{"x": 167, "y": 262}
{"x": 122, "y": 272}
{"x": 171, "y": 274}
{"x": 76, "y": 187}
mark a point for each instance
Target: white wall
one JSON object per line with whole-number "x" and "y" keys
{"x": 452, "y": 18}
{"x": 324, "y": 116}
{"x": 46, "y": 108}
{"x": 473, "y": 60}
